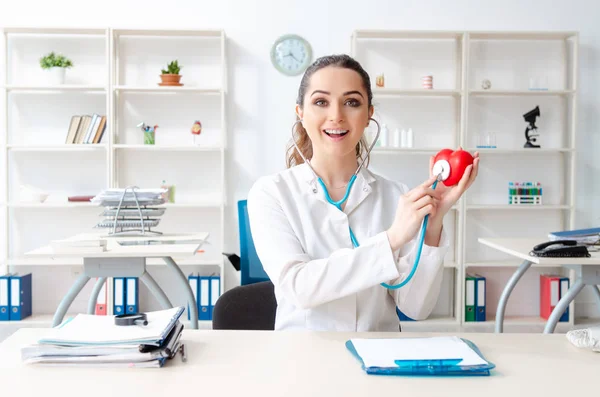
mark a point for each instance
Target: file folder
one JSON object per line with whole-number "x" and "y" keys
{"x": 480, "y": 298}
{"x": 215, "y": 292}
{"x": 564, "y": 288}
{"x": 132, "y": 295}
{"x": 193, "y": 281}
{"x": 204, "y": 298}
{"x": 5, "y": 298}
{"x": 468, "y": 360}
{"x": 118, "y": 295}
{"x": 469, "y": 298}
{"x": 20, "y": 297}
{"x": 550, "y": 294}
{"x": 102, "y": 301}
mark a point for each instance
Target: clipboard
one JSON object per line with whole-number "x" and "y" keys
{"x": 439, "y": 367}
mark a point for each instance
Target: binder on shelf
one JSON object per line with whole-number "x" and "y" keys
{"x": 5, "y": 297}
{"x": 194, "y": 283}
{"x": 551, "y": 290}
{"x": 480, "y": 284}
{"x": 204, "y": 298}
{"x": 20, "y": 297}
{"x": 215, "y": 292}
{"x": 118, "y": 295}
{"x": 469, "y": 298}
{"x": 564, "y": 288}
{"x": 131, "y": 295}
{"x": 101, "y": 301}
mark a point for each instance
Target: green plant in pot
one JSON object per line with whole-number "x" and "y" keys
{"x": 170, "y": 76}
{"x": 57, "y": 65}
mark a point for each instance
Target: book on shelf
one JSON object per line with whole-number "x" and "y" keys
{"x": 86, "y": 129}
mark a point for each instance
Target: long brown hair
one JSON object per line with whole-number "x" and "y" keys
{"x": 300, "y": 136}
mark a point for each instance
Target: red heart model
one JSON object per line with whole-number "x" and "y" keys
{"x": 459, "y": 160}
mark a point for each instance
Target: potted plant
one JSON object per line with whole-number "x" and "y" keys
{"x": 57, "y": 64}
{"x": 171, "y": 76}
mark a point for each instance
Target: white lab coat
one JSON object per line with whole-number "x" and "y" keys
{"x": 321, "y": 281}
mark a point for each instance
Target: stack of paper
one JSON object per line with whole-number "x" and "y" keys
{"x": 88, "y": 340}
{"x": 419, "y": 356}
{"x": 582, "y": 236}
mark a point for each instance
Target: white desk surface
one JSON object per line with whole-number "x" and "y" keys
{"x": 113, "y": 249}
{"x": 276, "y": 363}
{"x": 520, "y": 248}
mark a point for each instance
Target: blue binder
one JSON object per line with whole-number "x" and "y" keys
{"x": 194, "y": 284}
{"x": 5, "y": 297}
{"x": 564, "y": 287}
{"x": 480, "y": 295}
{"x": 428, "y": 367}
{"x": 132, "y": 299}
{"x": 204, "y": 298}
{"x": 215, "y": 292}
{"x": 20, "y": 297}
{"x": 119, "y": 295}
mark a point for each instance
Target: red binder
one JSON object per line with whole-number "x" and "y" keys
{"x": 549, "y": 293}
{"x": 101, "y": 301}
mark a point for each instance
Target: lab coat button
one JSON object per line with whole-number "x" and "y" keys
{"x": 365, "y": 189}
{"x": 314, "y": 190}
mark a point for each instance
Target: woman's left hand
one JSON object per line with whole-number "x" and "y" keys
{"x": 451, "y": 194}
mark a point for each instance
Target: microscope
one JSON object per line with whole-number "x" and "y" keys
{"x": 530, "y": 118}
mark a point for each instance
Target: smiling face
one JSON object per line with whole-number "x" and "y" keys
{"x": 335, "y": 111}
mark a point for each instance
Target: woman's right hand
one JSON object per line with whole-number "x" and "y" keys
{"x": 412, "y": 209}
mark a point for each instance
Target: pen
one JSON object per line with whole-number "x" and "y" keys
{"x": 440, "y": 363}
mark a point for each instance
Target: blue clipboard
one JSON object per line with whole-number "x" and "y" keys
{"x": 429, "y": 367}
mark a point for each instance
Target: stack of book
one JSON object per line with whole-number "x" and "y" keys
{"x": 97, "y": 341}
{"x": 86, "y": 129}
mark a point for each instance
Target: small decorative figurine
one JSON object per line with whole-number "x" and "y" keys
{"x": 380, "y": 80}
{"x": 486, "y": 84}
{"x": 196, "y": 130}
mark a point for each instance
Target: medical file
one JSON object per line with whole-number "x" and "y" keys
{"x": 444, "y": 355}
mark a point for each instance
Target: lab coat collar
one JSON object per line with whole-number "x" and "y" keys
{"x": 360, "y": 190}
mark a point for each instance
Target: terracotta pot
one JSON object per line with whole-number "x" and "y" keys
{"x": 170, "y": 78}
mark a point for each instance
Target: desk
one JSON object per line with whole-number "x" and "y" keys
{"x": 301, "y": 364}
{"x": 126, "y": 261}
{"x": 587, "y": 273}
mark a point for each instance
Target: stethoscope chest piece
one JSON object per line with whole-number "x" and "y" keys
{"x": 442, "y": 169}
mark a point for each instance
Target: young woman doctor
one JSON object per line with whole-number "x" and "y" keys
{"x": 322, "y": 282}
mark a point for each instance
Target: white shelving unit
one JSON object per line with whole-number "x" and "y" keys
{"x": 453, "y": 113}
{"x": 115, "y": 73}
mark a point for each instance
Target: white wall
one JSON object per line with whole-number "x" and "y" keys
{"x": 261, "y": 101}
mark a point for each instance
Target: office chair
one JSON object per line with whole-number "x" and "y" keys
{"x": 252, "y": 305}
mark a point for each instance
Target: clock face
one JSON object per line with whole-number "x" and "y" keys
{"x": 291, "y": 55}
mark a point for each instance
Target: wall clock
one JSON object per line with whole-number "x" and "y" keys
{"x": 291, "y": 54}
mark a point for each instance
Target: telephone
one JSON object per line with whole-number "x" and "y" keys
{"x": 560, "y": 249}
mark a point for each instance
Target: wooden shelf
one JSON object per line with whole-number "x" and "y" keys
{"x": 509, "y": 263}
{"x": 177, "y": 148}
{"x": 529, "y": 152}
{"x": 392, "y": 93}
{"x": 169, "y": 33}
{"x": 51, "y": 261}
{"x": 516, "y": 207}
{"x": 406, "y": 34}
{"x": 161, "y": 89}
{"x": 61, "y": 88}
{"x": 520, "y": 92}
{"x": 57, "y": 148}
{"x": 54, "y": 205}
{"x": 525, "y": 323}
{"x": 395, "y": 150}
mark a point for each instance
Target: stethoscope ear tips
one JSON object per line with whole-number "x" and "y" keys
{"x": 441, "y": 168}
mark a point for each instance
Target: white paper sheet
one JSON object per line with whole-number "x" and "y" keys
{"x": 384, "y": 352}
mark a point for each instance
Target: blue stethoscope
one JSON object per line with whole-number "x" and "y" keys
{"x": 338, "y": 204}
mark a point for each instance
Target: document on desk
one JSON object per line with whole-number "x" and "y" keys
{"x": 435, "y": 355}
{"x": 91, "y": 330}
